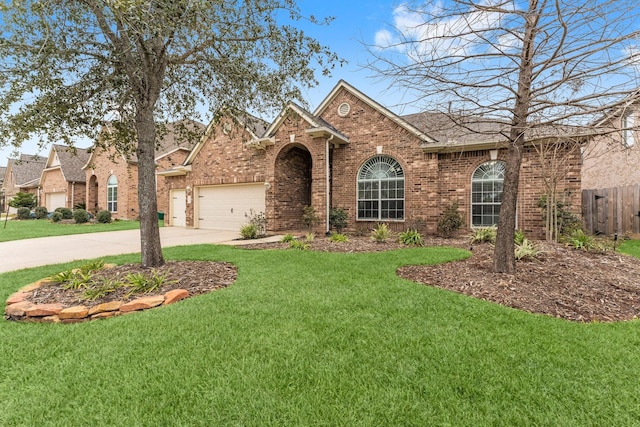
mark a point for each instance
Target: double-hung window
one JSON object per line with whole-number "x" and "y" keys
{"x": 381, "y": 190}
{"x": 486, "y": 193}
{"x": 112, "y": 194}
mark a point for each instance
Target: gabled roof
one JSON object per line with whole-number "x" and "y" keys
{"x": 318, "y": 128}
{"x": 69, "y": 160}
{"x": 343, "y": 85}
{"x": 27, "y": 169}
{"x": 253, "y": 125}
{"x": 179, "y": 135}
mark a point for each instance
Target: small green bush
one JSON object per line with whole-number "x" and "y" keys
{"x": 338, "y": 219}
{"x": 23, "y": 213}
{"x": 249, "y": 231}
{"x": 259, "y": 222}
{"x": 56, "y": 217}
{"x": 103, "y": 217}
{"x": 23, "y": 200}
{"x": 483, "y": 235}
{"x": 410, "y": 237}
{"x": 80, "y": 216}
{"x": 297, "y": 244}
{"x": 66, "y": 213}
{"x": 41, "y": 212}
{"x": 526, "y": 250}
{"x": 518, "y": 237}
{"x": 381, "y": 233}
{"x": 338, "y": 238}
{"x": 310, "y": 237}
{"x": 450, "y": 221}
{"x": 309, "y": 217}
{"x": 287, "y": 238}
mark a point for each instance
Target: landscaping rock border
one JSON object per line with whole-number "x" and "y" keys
{"x": 19, "y": 308}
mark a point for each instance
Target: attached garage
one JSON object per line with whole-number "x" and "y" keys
{"x": 177, "y": 210}
{"x": 223, "y": 207}
{"x": 55, "y": 200}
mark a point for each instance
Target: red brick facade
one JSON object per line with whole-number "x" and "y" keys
{"x": 302, "y": 156}
{"x": 54, "y": 182}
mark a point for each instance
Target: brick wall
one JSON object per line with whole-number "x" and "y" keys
{"x": 53, "y": 181}
{"x": 608, "y": 163}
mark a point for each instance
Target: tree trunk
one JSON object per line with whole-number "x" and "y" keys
{"x": 150, "y": 245}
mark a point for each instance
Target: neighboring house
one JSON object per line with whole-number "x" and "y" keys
{"x": 611, "y": 174}
{"x": 62, "y": 182}
{"x": 112, "y": 176}
{"x": 353, "y": 153}
{"x": 23, "y": 175}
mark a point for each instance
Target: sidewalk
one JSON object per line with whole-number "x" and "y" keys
{"x": 18, "y": 254}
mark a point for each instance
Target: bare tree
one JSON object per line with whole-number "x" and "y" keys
{"x": 540, "y": 66}
{"x": 69, "y": 66}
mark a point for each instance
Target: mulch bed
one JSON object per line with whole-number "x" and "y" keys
{"x": 562, "y": 282}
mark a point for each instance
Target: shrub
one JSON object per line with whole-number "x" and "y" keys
{"x": 41, "y": 212}
{"x": 338, "y": 238}
{"x": 410, "y": 237}
{"x": 309, "y": 217}
{"x": 380, "y": 233}
{"x": 80, "y": 205}
{"x": 450, "y": 221}
{"x": 518, "y": 237}
{"x": 287, "y": 238}
{"x": 338, "y": 219}
{"x": 297, "y": 244}
{"x": 259, "y": 221}
{"x": 66, "y": 213}
{"x": 56, "y": 217}
{"x": 310, "y": 237}
{"x": 249, "y": 231}
{"x": 103, "y": 217}
{"x": 23, "y": 200}
{"x": 80, "y": 216}
{"x": 483, "y": 235}
{"x": 23, "y": 213}
{"x": 526, "y": 250}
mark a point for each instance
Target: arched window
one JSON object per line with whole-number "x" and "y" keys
{"x": 112, "y": 194}
{"x": 381, "y": 189}
{"x": 486, "y": 193}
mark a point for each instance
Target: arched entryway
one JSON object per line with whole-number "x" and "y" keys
{"x": 292, "y": 190}
{"x": 92, "y": 196}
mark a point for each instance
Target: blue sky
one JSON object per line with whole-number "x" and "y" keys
{"x": 355, "y": 23}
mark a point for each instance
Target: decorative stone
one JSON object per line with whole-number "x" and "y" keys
{"x": 175, "y": 295}
{"x": 18, "y": 309}
{"x": 143, "y": 303}
{"x": 41, "y": 310}
{"x": 75, "y": 312}
{"x": 18, "y": 297}
{"x": 105, "y": 307}
{"x": 50, "y": 319}
{"x": 104, "y": 315}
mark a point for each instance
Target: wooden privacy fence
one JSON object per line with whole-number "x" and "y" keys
{"x": 612, "y": 210}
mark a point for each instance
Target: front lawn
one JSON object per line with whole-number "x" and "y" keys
{"x": 307, "y": 338}
{"x": 28, "y": 229}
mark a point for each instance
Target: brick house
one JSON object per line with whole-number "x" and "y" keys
{"x": 63, "y": 182}
{"x": 23, "y": 175}
{"x": 353, "y": 153}
{"x": 112, "y": 176}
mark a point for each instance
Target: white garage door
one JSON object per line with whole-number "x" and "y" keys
{"x": 178, "y": 208}
{"x": 223, "y": 207}
{"x": 55, "y": 200}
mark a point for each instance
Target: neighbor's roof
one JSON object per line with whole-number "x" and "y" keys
{"x": 71, "y": 162}
{"x": 27, "y": 169}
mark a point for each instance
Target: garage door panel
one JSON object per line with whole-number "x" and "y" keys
{"x": 225, "y": 207}
{"x": 55, "y": 200}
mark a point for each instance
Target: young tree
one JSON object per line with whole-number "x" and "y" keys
{"x": 536, "y": 67}
{"x": 69, "y": 67}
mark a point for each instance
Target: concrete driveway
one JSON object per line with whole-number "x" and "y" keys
{"x": 19, "y": 254}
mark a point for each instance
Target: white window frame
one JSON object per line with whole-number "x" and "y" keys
{"x": 112, "y": 194}
{"x": 488, "y": 180}
{"x": 628, "y": 123}
{"x": 380, "y": 190}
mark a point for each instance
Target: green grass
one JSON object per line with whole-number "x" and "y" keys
{"x": 308, "y": 339}
{"x": 630, "y": 247}
{"x": 18, "y": 230}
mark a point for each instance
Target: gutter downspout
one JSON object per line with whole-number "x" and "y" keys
{"x": 73, "y": 192}
{"x": 328, "y": 183}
